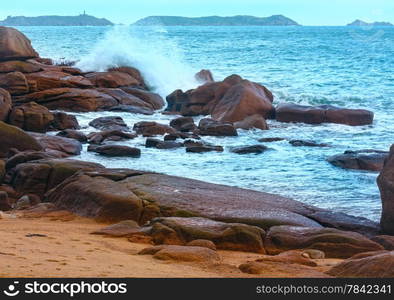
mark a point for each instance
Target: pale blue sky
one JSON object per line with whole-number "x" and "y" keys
{"x": 306, "y": 12}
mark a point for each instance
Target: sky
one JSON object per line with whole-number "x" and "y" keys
{"x": 305, "y": 12}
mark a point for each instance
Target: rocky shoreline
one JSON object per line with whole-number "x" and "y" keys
{"x": 187, "y": 220}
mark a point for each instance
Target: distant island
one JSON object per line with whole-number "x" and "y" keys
{"x": 276, "y": 20}
{"x": 362, "y": 23}
{"x": 81, "y": 20}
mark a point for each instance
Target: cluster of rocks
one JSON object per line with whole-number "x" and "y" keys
{"x": 185, "y": 219}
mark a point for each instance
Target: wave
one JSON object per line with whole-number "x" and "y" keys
{"x": 157, "y": 56}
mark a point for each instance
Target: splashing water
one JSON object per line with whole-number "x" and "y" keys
{"x": 147, "y": 49}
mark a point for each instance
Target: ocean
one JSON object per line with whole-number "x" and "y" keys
{"x": 345, "y": 66}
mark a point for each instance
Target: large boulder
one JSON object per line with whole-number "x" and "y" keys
{"x": 39, "y": 176}
{"x": 183, "y": 124}
{"x": 112, "y": 79}
{"x": 71, "y": 99}
{"x": 127, "y": 100}
{"x": 63, "y": 121}
{"x": 290, "y": 112}
{"x": 57, "y": 145}
{"x": 19, "y": 66}
{"x": 243, "y": 100}
{"x": 31, "y": 117}
{"x": 238, "y": 99}
{"x": 386, "y": 187}
{"x": 15, "y": 45}
{"x": 133, "y": 72}
{"x": 369, "y": 160}
{"x": 15, "y": 83}
{"x": 333, "y": 242}
{"x": 212, "y": 127}
{"x": 379, "y": 265}
{"x": 51, "y": 79}
{"x": 154, "y": 100}
{"x": 14, "y": 138}
{"x": 73, "y": 134}
{"x": 97, "y": 197}
{"x": 227, "y": 236}
{"x": 5, "y": 104}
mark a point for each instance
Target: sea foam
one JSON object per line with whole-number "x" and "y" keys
{"x": 150, "y": 50}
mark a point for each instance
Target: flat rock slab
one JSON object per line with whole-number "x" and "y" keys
{"x": 227, "y": 236}
{"x": 236, "y": 205}
{"x": 182, "y": 253}
{"x": 333, "y": 242}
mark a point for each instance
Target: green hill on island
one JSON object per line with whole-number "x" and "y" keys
{"x": 362, "y": 23}
{"x": 81, "y": 20}
{"x": 277, "y": 20}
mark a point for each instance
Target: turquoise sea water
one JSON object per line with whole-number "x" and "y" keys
{"x": 345, "y": 66}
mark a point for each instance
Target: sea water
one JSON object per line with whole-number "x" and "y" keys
{"x": 344, "y": 66}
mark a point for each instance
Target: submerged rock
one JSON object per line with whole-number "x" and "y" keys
{"x": 370, "y": 160}
{"x": 301, "y": 143}
{"x": 256, "y": 149}
{"x": 203, "y": 148}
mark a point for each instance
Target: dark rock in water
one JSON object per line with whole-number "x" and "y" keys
{"x": 97, "y": 197}
{"x": 152, "y": 129}
{"x": 252, "y": 122}
{"x": 370, "y": 160}
{"x": 192, "y": 143}
{"x": 118, "y": 135}
{"x": 73, "y": 134}
{"x": 31, "y": 117}
{"x": 271, "y": 140}
{"x": 171, "y": 137}
{"x": 14, "y": 138}
{"x": 204, "y": 76}
{"x": 109, "y": 123}
{"x": 63, "y": 121}
{"x": 387, "y": 241}
{"x": 301, "y": 143}
{"x": 155, "y": 143}
{"x": 183, "y": 124}
{"x": 211, "y": 127}
{"x": 386, "y": 187}
{"x": 58, "y": 145}
{"x": 333, "y": 242}
{"x": 203, "y": 149}
{"x": 115, "y": 150}
{"x": 228, "y": 236}
{"x": 290, "y": 112}
{"x": 37, "y": 177}
{"x": 15, "y": 45}
{"x": 256, "y": 149}
{"x": 5, "y": 104}
{"x": 132, "y": 109}
{"x": 378, "y": 265}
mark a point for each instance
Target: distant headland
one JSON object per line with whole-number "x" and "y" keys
{"x": 362, "y": 23}
{"x": 276, "y": 20}
{"x": 81, "y": 20}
